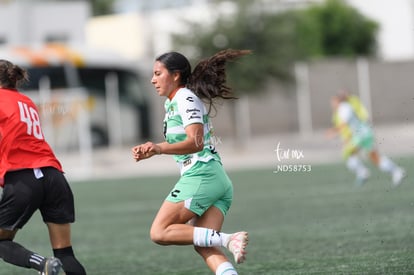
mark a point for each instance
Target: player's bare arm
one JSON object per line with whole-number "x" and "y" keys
{"x": 192, "y": 144}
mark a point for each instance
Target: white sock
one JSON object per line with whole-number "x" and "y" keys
{"x": 356, "y": 165}
{"x": 205, "y": 237}
{"x": 386, "y": 165}
{"x": 226, "y": 268}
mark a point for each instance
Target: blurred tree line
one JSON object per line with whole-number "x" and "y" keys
{"x": 277, "y": 37}
{"x": 280, "y": 38}
{"x": 102, "y": 7}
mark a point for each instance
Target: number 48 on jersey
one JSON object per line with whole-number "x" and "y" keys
{"x": 30, "y": 116}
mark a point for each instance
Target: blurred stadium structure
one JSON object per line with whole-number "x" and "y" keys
{"x": 48, "y": 39}
{"x": 87, "y": 73}
{"x": 112, "y": 93}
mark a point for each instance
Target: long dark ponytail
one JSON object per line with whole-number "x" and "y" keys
{"x": 208, "y": 80}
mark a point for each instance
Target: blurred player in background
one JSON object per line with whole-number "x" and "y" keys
{"x": 350, "y": 120}
{"x": 193, "y": 213}
{"x": 31, "y": 178}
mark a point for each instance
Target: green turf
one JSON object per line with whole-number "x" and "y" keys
{"x": 314, "y": 222}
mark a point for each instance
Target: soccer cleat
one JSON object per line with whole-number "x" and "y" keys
{"x": 237, "y": 246}
{"x": 397, "y": 176}
{"x": 52, "y": 266}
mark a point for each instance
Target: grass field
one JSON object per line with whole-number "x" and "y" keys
{"x": 314, "y": 222}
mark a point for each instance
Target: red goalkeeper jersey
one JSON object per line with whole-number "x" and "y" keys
{"x": 22, "y": 144}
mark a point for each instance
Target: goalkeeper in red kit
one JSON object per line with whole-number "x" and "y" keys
{"x": 32, "y": 179}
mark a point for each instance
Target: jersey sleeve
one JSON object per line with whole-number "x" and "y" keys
{"x": 191, "y": 109}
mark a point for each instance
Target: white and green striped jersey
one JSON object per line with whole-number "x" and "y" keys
{"x": 184, "y": 109}
{"x": 356, "y": 125}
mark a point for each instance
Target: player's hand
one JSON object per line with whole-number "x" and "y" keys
{"x": 146, "y": 150}
{"x": 331, "y": 133}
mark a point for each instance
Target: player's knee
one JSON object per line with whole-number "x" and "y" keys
{"x": 157, "y": 236}
{"x": 7, "y": 235}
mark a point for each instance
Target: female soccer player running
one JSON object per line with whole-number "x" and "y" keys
{"x": 193, "y": 212}
{"x": 31, "y": 178}
{"x": 358, "y": 137}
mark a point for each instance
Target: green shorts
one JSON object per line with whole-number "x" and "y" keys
{"x": 359, "y": 142}
{"x": 206, "y": 184}
{"x": 365, "y": 142}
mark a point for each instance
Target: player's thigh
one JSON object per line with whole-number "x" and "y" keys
{"x": 7, "y": 234}
{"x": 171, "y": 213}
{"x": 58, "y": 205}
{"x": 21, "y": 197}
